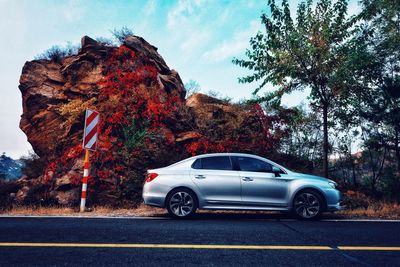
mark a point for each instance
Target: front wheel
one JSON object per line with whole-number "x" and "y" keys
{"x": 181, "y": 203}
{"x": 308, "y": 205}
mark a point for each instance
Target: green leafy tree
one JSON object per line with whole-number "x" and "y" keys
{"x": 306, "y": 52}
{"x": 305, "y": 136}
{"x": 382, "y": 25}
{"x": 370, "y": 101}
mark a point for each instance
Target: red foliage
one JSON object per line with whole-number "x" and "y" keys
{"x": 205, "y": 146}
{"x": 261, "y": 141}
{"x": 50, "y": 171}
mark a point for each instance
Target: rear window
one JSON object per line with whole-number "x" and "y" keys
{"x": 213, "y": 163}
{"x": 197, "y": 164}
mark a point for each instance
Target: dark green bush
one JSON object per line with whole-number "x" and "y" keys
{"x": 6, "y": 191}
{"x": 33, "y": 165}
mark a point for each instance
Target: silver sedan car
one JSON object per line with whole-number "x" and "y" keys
{"x": 232, "y": 181}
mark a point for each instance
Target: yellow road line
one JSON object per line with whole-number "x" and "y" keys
{"x": 192, "y": 246}
{"x": 195, "y": 246}
{"x": 367, "y": 248}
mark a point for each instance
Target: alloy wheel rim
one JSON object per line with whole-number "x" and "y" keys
{"x": 181, "y": 204}
{"x": 307, "y": 205}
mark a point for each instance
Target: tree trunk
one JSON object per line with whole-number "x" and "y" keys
{"x": 353, "y": 167}
{"x": 396, "y": 147}
{"x": 325, "y": 142}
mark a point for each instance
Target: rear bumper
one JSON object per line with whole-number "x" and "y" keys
{"x": 154, "y": 194}
{"x": 151, "y": 200}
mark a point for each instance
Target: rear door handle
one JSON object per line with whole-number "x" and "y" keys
{"x": 247, "y": 179}
{"x": 199, "y": 177}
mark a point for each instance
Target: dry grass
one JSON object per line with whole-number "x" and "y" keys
{"x": 381, "y": 211}
{"x": 358, "y": 206}
{"x": 142, "y": 210}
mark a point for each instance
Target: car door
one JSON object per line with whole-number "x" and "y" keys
{"x": 260, "y": 186}
{"x": 216, "y": 180}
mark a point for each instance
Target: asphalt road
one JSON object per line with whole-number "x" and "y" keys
{"x": 207, "y": 240}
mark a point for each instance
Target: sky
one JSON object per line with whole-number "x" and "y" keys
{"x": 197, "y": 38}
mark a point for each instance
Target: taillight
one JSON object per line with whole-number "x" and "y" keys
{"x": 151, "y": 176}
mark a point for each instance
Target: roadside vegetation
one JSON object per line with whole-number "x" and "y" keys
{"x": 369, "y": 209}
{"x": 351, "y": 66}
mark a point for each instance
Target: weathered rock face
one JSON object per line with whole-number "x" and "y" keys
{"x": 45, "y": 85}
{"x": 224, "y": 121}
{"x": 146, "y": 122}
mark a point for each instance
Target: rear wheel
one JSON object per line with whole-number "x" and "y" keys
{"x": 308, "y": 205}
{"x": 181, "y": 203}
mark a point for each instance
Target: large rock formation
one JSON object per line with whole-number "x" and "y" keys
{"x": 146, "y": 121}
{"x": 46, "y": 85}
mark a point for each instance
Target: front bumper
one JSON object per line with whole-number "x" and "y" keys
{"x": 334, "y": 200}
{"x": 336, "y": 207}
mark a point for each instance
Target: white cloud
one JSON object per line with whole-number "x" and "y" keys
{"x": 150, "y": 7}
{"x": 183, "y": 13}
{"x": 73, "y": 10}
{"x": 194, "y": 40}
{"x": 234, "y": 46}
{"x": 188, "y": 27}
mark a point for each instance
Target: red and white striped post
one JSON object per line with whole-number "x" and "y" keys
{"x": 85, "y": 180}
{"x": 89, "y": 143}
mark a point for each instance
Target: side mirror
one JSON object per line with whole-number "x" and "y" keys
{"x": 276, "y": 171}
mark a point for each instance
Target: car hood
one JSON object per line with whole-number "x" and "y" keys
{"x": 298, "y": 175}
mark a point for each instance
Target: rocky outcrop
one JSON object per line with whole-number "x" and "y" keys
{"x": 196, "y": 125}
{"x": 45, "y": 85}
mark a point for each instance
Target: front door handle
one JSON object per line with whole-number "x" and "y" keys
{"x": 247, "y": 179}
{"x": 200, "y": 176}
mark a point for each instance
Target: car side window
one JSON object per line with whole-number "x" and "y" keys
{"x": 213, "y": 163}
{"x": 277, "y": 170}
{"x": 253, "y": 165}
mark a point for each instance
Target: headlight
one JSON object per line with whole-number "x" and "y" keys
{"x": 332, "y": 184}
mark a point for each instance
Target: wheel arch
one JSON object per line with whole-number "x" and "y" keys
{"x": 315, "y": 190}
{"x": 181, "y": 187}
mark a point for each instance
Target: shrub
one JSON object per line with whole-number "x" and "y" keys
{"x": 6, "y": 189}
{"x": 192, "y": 87}
{"x": 33, "y": 165}
{"x": 39, "y": 195}
{"x": 106, "y": 41}
{"x": 120, "y": 35}
{"x": 56, "y": 53}
{"x": 355, "y": 200}
{"x": 74, "y": 109}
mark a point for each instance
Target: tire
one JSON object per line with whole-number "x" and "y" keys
{"x": 308, "y": 205}
{"x": 181, "y": 203}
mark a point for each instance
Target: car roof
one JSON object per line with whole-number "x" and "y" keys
{"x": 226, "y": 154}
